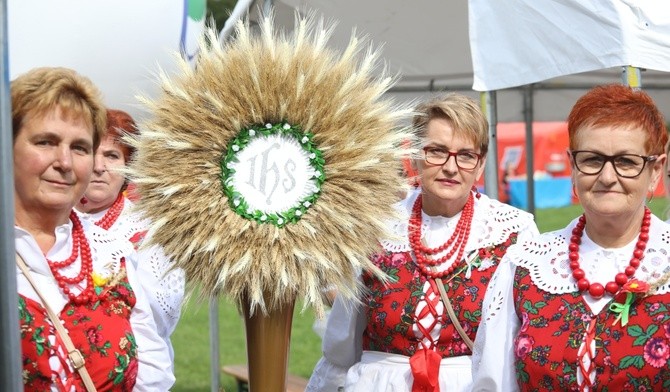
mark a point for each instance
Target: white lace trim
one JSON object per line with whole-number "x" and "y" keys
{"x": 165, "y": 289}
{"x": 106, "y": 250}
{"x": 492, "y": 224}
{"x": 129, "y": 223}
{"x": 546, "y": 258}
{"x": 168, "y": 291}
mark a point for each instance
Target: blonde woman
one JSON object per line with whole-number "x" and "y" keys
{"x": 400, "y": 337}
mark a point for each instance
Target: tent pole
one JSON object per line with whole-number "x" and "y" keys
{"x": 489, "y": 107}
{"x": 631, "y": 77}
{"x": 10, "y": 353}
{"x": 267, "y": 6}
{"x": 530, "y": 153}
{"x": 215, "y": 381}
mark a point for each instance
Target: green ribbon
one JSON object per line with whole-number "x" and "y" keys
{"x": 622, "y": 310}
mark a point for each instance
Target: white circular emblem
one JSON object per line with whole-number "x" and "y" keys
{"x": 273, "y": 173}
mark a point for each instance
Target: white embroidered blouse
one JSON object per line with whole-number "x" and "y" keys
{"x": 165, "y": 290}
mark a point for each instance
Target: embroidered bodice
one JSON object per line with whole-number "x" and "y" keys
{"x": 540, "y": 333}
{"x": 397, "y": 321}
{"x": 120, "y": 327}
{"x": 101, "y": 329}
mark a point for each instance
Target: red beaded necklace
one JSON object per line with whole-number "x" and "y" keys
{"x": 456, "y": 242}
{"x": 112, "y": 213}
{"x": 79, "y": 246}
{"x": 596, "y": 290}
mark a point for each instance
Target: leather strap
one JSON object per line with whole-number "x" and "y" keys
{"x": 76, "y": 358}
{"x": 452, "y": 315}
{"x": 450, "y": 309}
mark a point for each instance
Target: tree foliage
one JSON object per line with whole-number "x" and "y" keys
{"x": 219, "y": 10}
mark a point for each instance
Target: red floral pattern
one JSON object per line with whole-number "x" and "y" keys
{"x": 633, "y": 357}
{"x": 100, "y": 330}
{"x": 391, "y": 307}
{"x": 137, "y": 238}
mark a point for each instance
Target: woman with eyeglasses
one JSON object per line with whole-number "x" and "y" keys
{"x": 404, "y": 334}
{"x": 587, "y": 307}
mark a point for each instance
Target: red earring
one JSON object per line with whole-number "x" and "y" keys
{"x": 83, "y": 200}
{"x": 476, "y": 191}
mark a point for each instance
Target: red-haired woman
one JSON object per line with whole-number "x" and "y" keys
{"x": 106, "y": 205}
{"x": 587, "y": 307}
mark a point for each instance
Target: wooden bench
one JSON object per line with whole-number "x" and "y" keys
{"x": 241, "y": 375}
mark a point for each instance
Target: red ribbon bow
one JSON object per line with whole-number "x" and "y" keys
{"x": 425, "y": 365}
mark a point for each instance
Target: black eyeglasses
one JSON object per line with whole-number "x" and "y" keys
{"x": 625, "y": 165}
{"x": 466, "y": 160}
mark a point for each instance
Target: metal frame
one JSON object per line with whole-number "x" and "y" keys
{"x": 10, "y": 355}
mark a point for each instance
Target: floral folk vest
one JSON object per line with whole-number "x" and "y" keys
{"x": 391, "y": 307}
{"x": 100, "y": 330}
{"x": 637, "y": 362}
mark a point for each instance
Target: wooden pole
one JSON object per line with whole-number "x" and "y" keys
{"x": 268, "y": 341}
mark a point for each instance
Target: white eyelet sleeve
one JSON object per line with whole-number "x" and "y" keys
{"x": 493, "y": 352}
{"x": 342, "y": 346}
{"x": 164, "y": 289}
{"x": 155, "y": 366}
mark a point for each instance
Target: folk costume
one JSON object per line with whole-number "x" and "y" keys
{"x": 400, "y": 337}
{"x": 547, "y": 327}
{"x": 89, "y": 281}
{"x": 165, "y": 290}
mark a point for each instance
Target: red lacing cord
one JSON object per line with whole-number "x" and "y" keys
{"x": 432, "y": 299}
{"x": 585, "y": 351}
{"x": 60, "y": 352}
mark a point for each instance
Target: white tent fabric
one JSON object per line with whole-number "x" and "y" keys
{"x": 517, "y": 42}
{"x": 424, "y": 40}
{"x": 118, "y": 44}
{"x": 427, "y": 43}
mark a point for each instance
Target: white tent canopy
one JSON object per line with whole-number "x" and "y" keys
{"x": 428, "y": 43}
{"x": 410, "y": 44}
{"x": 517, "y": 42}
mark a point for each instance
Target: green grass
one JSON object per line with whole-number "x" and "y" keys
{"x": 549, "y": 219}
{"x": 192, "y": 346}
{"x": 191, "y": 339}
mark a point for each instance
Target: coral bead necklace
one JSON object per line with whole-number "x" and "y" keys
{"x": 456, "y": 243}
{"x": 80, "y": 248}
{"x": 112, "y": 213}
{"x": 596, "y": 290}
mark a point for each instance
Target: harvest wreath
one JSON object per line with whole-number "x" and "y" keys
{"x": 269, "y": 170}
